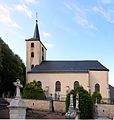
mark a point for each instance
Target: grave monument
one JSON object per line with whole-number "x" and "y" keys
{"x": 71, "y": 114}
{"x": 17, "y": 106}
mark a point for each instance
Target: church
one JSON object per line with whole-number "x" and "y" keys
{"x": 59, "y": 77}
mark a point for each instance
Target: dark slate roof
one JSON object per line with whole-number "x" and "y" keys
{"x": 36, "y": 32}
{"x": 68, "y": 66}
{"x": 111, "y": 88}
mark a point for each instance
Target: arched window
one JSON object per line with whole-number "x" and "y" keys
{"x": 58, "y": 86}
{"x": 97, "y": 87}
{"x": 32, "y": 66}
{"x": 32, "y": 44}
{"x": 76, "y": 84}
{"x": 32, "y": 54}
{"x": 39, "y": 83}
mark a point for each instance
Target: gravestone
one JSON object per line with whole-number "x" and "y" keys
{"x": 51, "y": 104}
{"x": 71, "y": 114}
{"x": 17, "y": 106}
{"x": 77, "y": 107}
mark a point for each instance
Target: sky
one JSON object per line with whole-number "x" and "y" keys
{"x": 70, "y": 29}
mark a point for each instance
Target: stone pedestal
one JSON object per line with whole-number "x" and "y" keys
{"x": 17, "y": 109}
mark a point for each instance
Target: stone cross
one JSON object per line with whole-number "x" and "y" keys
{"x": 18, "y": 86}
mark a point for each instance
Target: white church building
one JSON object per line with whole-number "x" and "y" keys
{"x": 59, "y": 77}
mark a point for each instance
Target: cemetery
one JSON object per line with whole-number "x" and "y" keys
{"x": 19, "y": 108}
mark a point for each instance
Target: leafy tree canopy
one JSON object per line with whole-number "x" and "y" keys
{"x": 96, "y": 97}
{"x": 11, "y": 68}
{"x": 33, "y": 90}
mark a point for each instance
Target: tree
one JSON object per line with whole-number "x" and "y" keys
{"x": 33, "y": 90}
{"x": 85, "y": 102}
{"x": 85, "y": 105}
{"x": 11, "y": 68}
{"x": 96, "y": 97}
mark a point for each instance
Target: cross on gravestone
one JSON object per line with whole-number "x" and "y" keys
{"x": 18, "y": 86}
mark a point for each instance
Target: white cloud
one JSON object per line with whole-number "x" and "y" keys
{"x": 80, "y": 15}
{"x": 107, "y": 14}
{"x": 24, "y": 9}
{"x": 5, "y": 16}
{"x": 48, "y": 45}
{"x": 46, "y": 34}
{"x": 67, "y": 5}
{"x": 105, "y": 1}
{"x": 85, "y": 23}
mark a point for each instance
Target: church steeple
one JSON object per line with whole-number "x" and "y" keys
{"x": 35, "y": 50}
{"x": 36, "y": 31}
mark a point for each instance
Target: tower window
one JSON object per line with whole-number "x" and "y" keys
{"x": 42, "y": 58}
{"x": 32, "y": 66}
{"x": 42, "y": 54}
{"x": 42, "y": 49}
{"x": 58, "y": 86}
{"x": 32, "y": 44}
{"x": 32, "y": 54}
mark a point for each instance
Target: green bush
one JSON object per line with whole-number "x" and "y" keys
{"x": 96, "y": 97}
{"x": 33, "y": 90}
{"x": 85, "y": 102}
{"x": 85, "y": 105}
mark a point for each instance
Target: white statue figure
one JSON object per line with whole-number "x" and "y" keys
{"x": 18, "y": 86}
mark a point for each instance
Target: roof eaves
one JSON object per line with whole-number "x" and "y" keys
{"x": 56, "y": 71}
{"x": 99, "y": 69}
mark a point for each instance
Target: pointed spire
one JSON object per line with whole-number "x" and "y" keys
{"x": 36, "y": 32}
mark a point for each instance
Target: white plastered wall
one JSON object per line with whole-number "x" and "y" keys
{"x": 100, "y": 77}
{"x": 66, "y": 79}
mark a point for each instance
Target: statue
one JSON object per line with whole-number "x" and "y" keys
{"x": 51, "y": 104}
{"x": 18, "y": 86}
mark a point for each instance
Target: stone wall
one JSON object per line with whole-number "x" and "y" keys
{"x": 105, "y": 110}
{"x": 43, "y": 105}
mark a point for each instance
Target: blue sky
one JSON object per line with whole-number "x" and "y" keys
{"x": 70, "y": 29}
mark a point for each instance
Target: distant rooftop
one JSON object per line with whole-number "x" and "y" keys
{"x": 68, "y": 66}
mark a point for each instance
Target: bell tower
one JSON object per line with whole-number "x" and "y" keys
{"x": 35, "y": 50}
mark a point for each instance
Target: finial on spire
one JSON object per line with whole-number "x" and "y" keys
{"x": 36, "y": 17}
